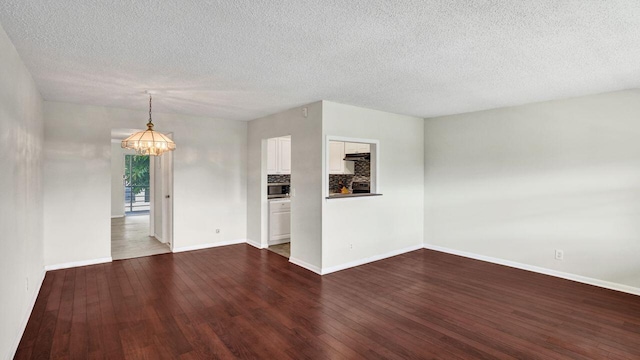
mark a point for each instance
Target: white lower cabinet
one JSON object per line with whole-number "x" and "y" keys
{"x": 279, "y": 222}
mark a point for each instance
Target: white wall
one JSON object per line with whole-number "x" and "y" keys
{"x": 516, "y": 183}
{"x": 21, "y": 138}
{"x": 77, "y": 186}
{"x": 383, "y": 225}
{"x": 117, "y": 188}
{"x": 306, "y": 181}
{"x": 209, "y": 179}
{"x": 117, "y": 171}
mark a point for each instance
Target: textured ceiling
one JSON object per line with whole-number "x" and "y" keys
{"x": 242, "y": 59}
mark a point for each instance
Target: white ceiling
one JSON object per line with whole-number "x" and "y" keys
{"x": 242, "y": 59}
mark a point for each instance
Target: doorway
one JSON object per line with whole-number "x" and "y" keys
{"x": 278, "y": 185}
{"x": 139, "y": 214}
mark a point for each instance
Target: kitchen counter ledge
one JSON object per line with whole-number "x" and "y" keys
{"x": 342, "y": 196}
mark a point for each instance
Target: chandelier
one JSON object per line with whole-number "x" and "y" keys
{"x": 149, "y": 142}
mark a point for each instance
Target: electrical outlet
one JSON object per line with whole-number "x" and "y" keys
{"x": 559, "y": 254}
{"x": 217, "y": 231}
{"x": 350, "y": 246}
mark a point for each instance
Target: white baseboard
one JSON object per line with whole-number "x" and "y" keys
{"x": 116, "y": 216}
{"x": 255, "y": 244}
{"x": 306, "y": 265}
{"x": 278, "y": 242}
{"x": 209, "y": 245}
{"x": 27, "y": 315}
{"x": 78, "y": 263}
{"x": 158, "y": 238}
{"x": 370, "y": 259}
{"x": 578, "y": 278}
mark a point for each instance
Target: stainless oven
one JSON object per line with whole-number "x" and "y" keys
{"x": 277, "y": 190}
{"x": 360, "y": 187}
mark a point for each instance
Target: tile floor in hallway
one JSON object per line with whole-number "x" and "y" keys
{"x": 130, "y": 238}
{"x": 281, "y": 249}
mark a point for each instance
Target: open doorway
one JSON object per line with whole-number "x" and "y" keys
{"x": 138, "y": 213}
{"x": 278, "y": 161}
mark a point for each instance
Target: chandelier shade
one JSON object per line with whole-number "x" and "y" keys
{"x": 149, "y": 142}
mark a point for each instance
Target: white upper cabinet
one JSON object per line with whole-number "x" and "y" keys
{"x": 279, "y": 155}
{"x": 336, "y": 156}
{"x": 337, "y": 165}
{"x": 284, "y": 151}
{"x": 272, "y": 156}
{"x": 356, "y": 148}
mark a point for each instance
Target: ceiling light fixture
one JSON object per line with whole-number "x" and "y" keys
{"x": 149, "y": 142}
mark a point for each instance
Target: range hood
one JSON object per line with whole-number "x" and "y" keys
{"x": 357, "y": 157}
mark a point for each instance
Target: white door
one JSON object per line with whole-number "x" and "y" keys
{"x": 167, "y": 197}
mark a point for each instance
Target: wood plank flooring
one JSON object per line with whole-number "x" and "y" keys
{"x": 241, "y": 302}
{"x": 130, "y": 238}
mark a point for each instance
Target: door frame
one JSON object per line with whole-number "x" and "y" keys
{"x": 152, "y": 199}
{"x": 164, "y": 172}
{"x": 264, "y": 201}
{"x": 167, "y": 196}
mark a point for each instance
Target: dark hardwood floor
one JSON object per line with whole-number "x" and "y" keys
{"x": 241, "y": 302}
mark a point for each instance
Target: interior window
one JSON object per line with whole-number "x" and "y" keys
{"x": 351, "y": 167}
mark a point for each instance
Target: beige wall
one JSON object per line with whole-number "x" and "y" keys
{"x": 517, "y": 183}
{"x": 21, "y": 139}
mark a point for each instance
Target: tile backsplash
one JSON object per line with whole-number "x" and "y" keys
{"x": 362, "y": 169}
{"x": 334, "y": 180}
{"x": 280, "y": 178}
